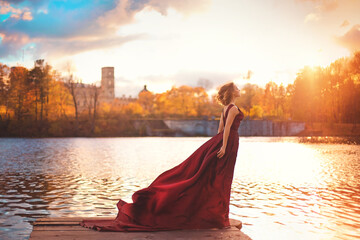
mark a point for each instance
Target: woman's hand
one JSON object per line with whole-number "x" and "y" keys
{"x": 221, "y": 152}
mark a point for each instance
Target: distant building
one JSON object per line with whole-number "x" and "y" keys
{"x": 107, "y": 84}
{"x": 39, "y": 63}
{"x": 144, "y": 90}
{"x": 124, "y": 100}
{"x": 85, "y": 93}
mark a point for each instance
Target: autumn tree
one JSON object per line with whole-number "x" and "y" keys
{"x": 329, "y": 94}
{"x": 183, "y": 101}
{"x": 39, "y": 79}
{"x": 18, "y": 91}
{"x": 60, "y": 100}
{"x": 146, "y": 100}
{"x": 4, "y": 91}
{"x": 251, "y": 94}
{"x": 93, "y": 105}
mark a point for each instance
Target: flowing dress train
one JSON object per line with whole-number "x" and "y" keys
{"x": 192, "y": 195}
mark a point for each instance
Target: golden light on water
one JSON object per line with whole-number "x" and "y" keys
{"x": 296, "y": 191}
{"x": 283, "y": 162}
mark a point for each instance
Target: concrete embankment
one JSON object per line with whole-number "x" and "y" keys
{"x": 185, "y": 127}
{"x": 331, "y": 129}
{"x": 198, "y": 127}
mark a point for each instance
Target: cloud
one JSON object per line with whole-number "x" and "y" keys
{"x": 125, "y": 10}
{"x": 183, "y": 6}
{"x": 323, "y": 5}
{"x": 53, "y": 25}
{"x": 32, "y": 2}
{"x": 311, "y": 17}
{"x": 345, "y": 23}
{"x": 118, "y": 16}
{"x": 62, "y": 20}
{"x": 16, "y": 13}
{"x": 27, "y": 16}
{"x": 320, "y": 7}
{"x": 327, "y": 5}
{"x": 61, "y": 47}
{"x": 11, "y": 43}
{"x": 351, "y": 39}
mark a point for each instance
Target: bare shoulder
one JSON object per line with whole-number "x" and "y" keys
{"x": 237, "y": 109}
{"x": 234, "y": 110}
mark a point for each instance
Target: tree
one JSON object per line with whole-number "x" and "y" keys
{"x": 4, "y": 90}
{"x": 39, "y": 78}
{"x": 146, "y": 100}
{"x": 256, "y": 112}
{"x": 18, "y": 91}
{"x": 249, "y": 96}
{"x": 94, "y": 95}
{"x": 60, "y": 99}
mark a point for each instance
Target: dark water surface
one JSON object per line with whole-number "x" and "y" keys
{"x": 283, "y": 188}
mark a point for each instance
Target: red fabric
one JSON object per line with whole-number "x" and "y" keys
{"x": 192, "y": 195}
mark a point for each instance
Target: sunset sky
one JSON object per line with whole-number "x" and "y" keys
{"x": 162, "y": 43}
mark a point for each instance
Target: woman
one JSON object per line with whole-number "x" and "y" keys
{"x": 192, "y": 195}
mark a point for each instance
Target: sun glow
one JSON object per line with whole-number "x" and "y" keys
{"x": 222, "y": 42}
{"x": 299, "y": 169}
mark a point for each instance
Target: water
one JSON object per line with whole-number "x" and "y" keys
{"x": 283, "y": 188}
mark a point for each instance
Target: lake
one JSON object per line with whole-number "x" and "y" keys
{"x": 283, "y": 188}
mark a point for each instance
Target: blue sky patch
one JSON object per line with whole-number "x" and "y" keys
{"x": 3, "y": 17}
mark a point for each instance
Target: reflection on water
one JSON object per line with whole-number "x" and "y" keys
{"x": 282, "y": 189}
{"x": 325, "y": 139}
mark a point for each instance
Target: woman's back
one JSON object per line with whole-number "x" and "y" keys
{"x": 236, "y": 123}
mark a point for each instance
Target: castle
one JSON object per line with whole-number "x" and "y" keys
{"x": 85, "y": 93}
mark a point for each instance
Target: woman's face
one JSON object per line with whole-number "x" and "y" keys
{"x": 236, "y": 91}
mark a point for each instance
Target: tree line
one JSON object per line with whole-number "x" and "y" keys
{"x": 41, "y": 102}
{"x": 328, "y": 94}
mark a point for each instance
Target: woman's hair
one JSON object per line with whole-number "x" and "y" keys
{"x": 225, "y": 93}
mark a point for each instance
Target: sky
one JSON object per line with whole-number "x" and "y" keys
{"x": 165, "y": 43}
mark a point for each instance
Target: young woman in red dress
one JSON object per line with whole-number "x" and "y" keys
{"x": 192, "y": 195}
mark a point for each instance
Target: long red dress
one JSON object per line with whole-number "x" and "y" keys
{"x": 192, "y": 195}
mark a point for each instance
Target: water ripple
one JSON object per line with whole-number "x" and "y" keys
{"x": 293, "y": 190}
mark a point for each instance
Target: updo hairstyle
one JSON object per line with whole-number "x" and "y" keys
{"x": 225, "y": 93}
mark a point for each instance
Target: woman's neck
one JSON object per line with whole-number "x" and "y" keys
{"x": 231, "y": 102}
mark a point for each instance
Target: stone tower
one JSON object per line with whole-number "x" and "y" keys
{"x": 107, "y": 83}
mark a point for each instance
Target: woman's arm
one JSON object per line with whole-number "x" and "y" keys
{"x": 229, "y": 120}
{"x": 221, "y": 123}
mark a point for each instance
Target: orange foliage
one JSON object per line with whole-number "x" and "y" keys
{"x": 39, "y": 100}
{"x": 184, "y": 101}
